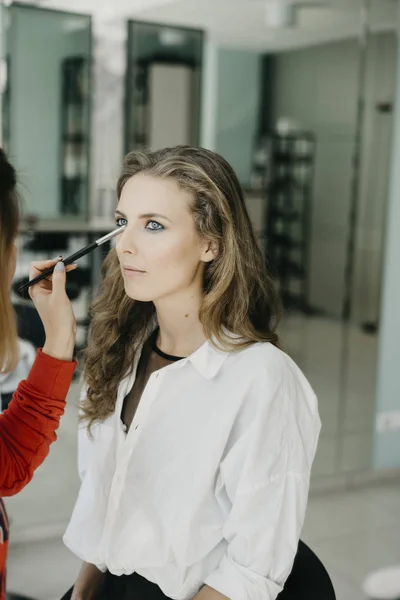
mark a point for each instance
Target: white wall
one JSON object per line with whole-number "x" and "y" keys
{"x": 109, "y": 63}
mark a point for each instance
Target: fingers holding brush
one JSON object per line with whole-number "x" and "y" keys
{"x": 53, "y": 286}
{"x": 39, "y": 267}
{"x": 54, "y": 307}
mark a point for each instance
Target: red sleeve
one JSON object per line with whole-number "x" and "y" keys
{"x": 28, "y": 426}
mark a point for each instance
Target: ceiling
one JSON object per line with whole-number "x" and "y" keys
{"x": 241, "y": 23}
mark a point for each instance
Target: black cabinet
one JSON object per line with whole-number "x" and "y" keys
{"x": 74, "y": 136}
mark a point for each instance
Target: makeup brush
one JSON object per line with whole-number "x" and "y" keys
{"x": 71, "y": 259}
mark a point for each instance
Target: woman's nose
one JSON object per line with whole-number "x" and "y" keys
{"x": 125, "y": 242}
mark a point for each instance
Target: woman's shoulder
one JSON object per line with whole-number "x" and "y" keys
{"x": 269, "y": 367}
{"x": 265, "y": 357}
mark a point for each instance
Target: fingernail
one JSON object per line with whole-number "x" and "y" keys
{"x": 60, "y": 267}
{"x": 59, "y": 257}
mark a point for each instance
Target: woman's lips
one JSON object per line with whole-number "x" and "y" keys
{"x": 132, "y": 272}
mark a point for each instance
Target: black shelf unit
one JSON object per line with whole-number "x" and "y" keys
{"x": 136, "y": 134}
{"x": 74, "y": 135}
{"x": 290, "y": 177}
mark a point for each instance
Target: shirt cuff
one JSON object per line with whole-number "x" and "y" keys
{"x": 50, "y": 376}
{"x": 239, "y": 583}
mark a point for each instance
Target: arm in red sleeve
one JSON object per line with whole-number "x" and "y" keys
{"x": 28, "y": 426}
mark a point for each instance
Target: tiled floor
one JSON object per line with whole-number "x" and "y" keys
{"x": 354, "y": 533}
{"x": 351, "y": 532}
{"x": 340, "y": 363}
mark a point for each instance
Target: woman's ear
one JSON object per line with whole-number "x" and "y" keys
{"x": 210, "y": 251}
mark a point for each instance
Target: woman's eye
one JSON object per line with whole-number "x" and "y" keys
{"x": 154, "y": 226}
{"x": 121, "y": 222}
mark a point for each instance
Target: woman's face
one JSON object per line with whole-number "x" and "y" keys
{"x": 160, "y": 253}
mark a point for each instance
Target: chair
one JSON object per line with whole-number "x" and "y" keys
{"x": 309, "y": 580}
{"x": 29, "y": 325}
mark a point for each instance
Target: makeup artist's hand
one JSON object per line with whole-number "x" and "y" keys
{"x": 54, "y": 308}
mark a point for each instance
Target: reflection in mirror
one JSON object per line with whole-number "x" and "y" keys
{"x": 310, "y": 136}
{"x": 47, "y": 137}
{"x": 162, "y": 86}
{"x": 318, "y": 175}
{"x": 325, "y": 232}
{"x": 299, "y": 189}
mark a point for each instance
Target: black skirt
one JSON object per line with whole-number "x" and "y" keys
{"x": 127, "y": 587}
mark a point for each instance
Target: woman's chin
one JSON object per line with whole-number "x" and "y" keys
{"x": 135, "y": 294}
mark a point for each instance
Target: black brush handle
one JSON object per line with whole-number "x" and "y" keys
{"x": 67, "y": 261}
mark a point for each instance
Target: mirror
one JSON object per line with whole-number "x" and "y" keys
{"x": 163, "y": 86}
{"x": 46, "y": 108}
{"x": 316, "y": 180}
{"x": 310, "y": 185}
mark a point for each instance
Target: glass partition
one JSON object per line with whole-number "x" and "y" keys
{"x": 323, "y": 157}
{"x": 377, "y": 95}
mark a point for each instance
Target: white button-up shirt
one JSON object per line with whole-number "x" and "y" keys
{"x": 210, "y": 484}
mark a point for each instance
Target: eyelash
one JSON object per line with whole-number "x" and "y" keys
{"x": 158, "y": 228}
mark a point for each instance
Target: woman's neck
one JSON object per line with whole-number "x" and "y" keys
{"x": 181, "y": 332}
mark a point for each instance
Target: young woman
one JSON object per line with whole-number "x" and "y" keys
{"x": 199, "y": 432}
{"x": 27, "y": 427}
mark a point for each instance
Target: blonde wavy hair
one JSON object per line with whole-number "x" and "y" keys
{"x": 9, "y": 218}
{"x": 240, "y": 295}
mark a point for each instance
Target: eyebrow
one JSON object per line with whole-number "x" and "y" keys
{"x": 145, "y": 216}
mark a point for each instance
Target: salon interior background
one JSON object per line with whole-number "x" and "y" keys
{"x": 301, "y": 98}
{"x": 318, "y": 96}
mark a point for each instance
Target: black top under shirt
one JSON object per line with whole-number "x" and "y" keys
{"x": 151, "y": 359}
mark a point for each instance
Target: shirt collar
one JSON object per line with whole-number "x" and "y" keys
{"x": 207, "y": 359}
